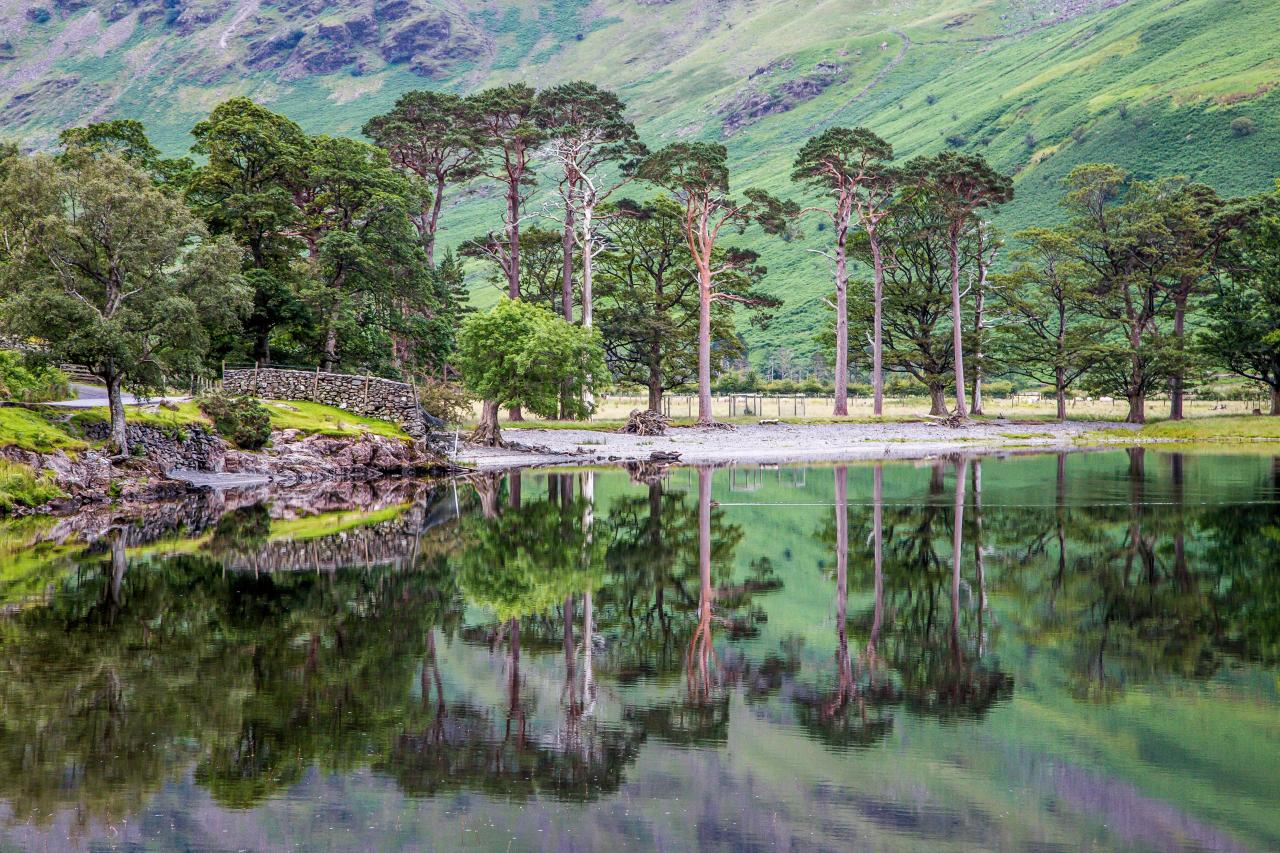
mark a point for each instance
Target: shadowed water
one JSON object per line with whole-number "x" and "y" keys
{"x": 1038, "y": 653}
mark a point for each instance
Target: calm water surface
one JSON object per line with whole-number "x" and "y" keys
{"x": 1073, "y": 652}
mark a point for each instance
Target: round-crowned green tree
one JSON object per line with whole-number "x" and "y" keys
{"x": 519, "y": 354}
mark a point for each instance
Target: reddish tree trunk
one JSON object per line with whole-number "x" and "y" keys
{"x": 704, "y": 346}
{"x": 957, "y": 324}
{"x": 877, "y": 332}
{"x": 842, "y": 326}
{"x": 1177, "y": 381}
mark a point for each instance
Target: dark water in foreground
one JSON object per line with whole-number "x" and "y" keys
{"x": 1043, "y": 653}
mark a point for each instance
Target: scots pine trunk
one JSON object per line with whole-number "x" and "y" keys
{"x": 957, "y": 326}
{"x": 877, "y": 322}
{"x": 1178, "y": 380}
{"x": 842, "y": 324}
{"x": 704, "y": 345}
{"x": 979, "y": 298}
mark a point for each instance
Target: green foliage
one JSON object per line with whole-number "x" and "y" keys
{"x": 21, "y": 487}
{"x": 113, "y": 272}
{"x": 25, "y": 381}
{"x": 518, "y": 353}
{"x": 243, "y": 421}
{"x": 1243, "y": 329}
{"x": 647, "y": 298}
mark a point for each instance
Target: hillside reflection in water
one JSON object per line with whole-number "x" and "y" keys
{"x": 1049, "y": 652}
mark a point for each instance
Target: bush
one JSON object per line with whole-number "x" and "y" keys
{"x": 243, "y": 421}
{"x": 957, "y": 140}
{"x": 1243, "y": 127}
{"x": 998, "y": 388}
{"x": 25, "y": 382}
{"x": 444, "y": 400}
{"x": 20, "y": 486}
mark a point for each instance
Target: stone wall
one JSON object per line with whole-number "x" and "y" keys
{"x": 361, "y": 395}
{"x": 192, "y": 447}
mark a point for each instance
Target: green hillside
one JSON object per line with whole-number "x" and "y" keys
{"x": 1037, "y": 86}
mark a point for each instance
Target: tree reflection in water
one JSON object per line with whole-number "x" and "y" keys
{"x": 532, "y": 645}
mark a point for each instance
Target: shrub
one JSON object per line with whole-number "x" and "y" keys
{"x": 1030, "y": 140}
{"x": 26, "y": 382}
{"x": 243, "y": 421}
{"x": 444, "y": 400}
{"x": 957, "y": 140}
{"x": 998, "y": 388}
{"x": 20, "y": 486}
{"x": 1243, "y": 127}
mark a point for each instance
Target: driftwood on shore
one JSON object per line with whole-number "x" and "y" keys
{"x": 645, "y": 422}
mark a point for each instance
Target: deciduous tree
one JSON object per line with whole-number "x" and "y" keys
{"x": 523, "y": 354}
{"x": 113, "y": 272}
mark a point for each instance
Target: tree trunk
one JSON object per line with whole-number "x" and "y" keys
{"x": 329, "y": 360}
{"x": 704, "y": 347}
{"x": 938, "y": 400}
{"x": 115, "y": 404}
{"x": 566, "y": 265}
{"x": 429, "y": 243}
{"x": 978, "y": 299}
{"x": 1137, "y": 408}
{"x": 957, "y": 326}
{"x": 1060, "y": 393}
{"x": 877, "y": 332}
{"x": 487, "y": 431}
{"x": 1178, "y": 380}
{"x": 842, "y": 326}
{"x": 588, "y": 265}
{"x": 262, "y": 348}
{"x": 1275, "y": 401}
{"x": 655, "y": 386}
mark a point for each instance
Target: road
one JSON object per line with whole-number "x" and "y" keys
{"x": 95, "y": 396}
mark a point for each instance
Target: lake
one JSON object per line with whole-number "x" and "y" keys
{"x": 1054, "y": 652}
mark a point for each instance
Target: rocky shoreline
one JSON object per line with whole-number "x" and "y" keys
{"x": 172, "y": 463}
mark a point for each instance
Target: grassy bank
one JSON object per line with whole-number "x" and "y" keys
{"x": 310, "y": 418}
{"x": 1226, "y": 428}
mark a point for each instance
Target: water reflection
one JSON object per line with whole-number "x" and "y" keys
{"x": 593, "y": 640}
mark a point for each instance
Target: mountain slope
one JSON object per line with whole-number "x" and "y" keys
{"x": 1036, "y": 85}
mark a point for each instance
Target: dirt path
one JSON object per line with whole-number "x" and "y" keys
{"x": 778, "y": 443}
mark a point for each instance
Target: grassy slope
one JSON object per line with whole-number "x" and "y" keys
{"x": 1150, "y": 84}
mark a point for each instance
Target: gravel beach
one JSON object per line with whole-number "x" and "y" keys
{"x": 770, "y": 443}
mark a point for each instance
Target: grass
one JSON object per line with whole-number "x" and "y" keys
{"x": 327, "y": 420}
{"x": 22, "y": 487}
{"x": 311, "y": 418}
{"x": 1227, "y": 428}
{"x": 29, "y": 430}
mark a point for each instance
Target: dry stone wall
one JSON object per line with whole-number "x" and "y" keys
{"x": 362, "y": 395}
